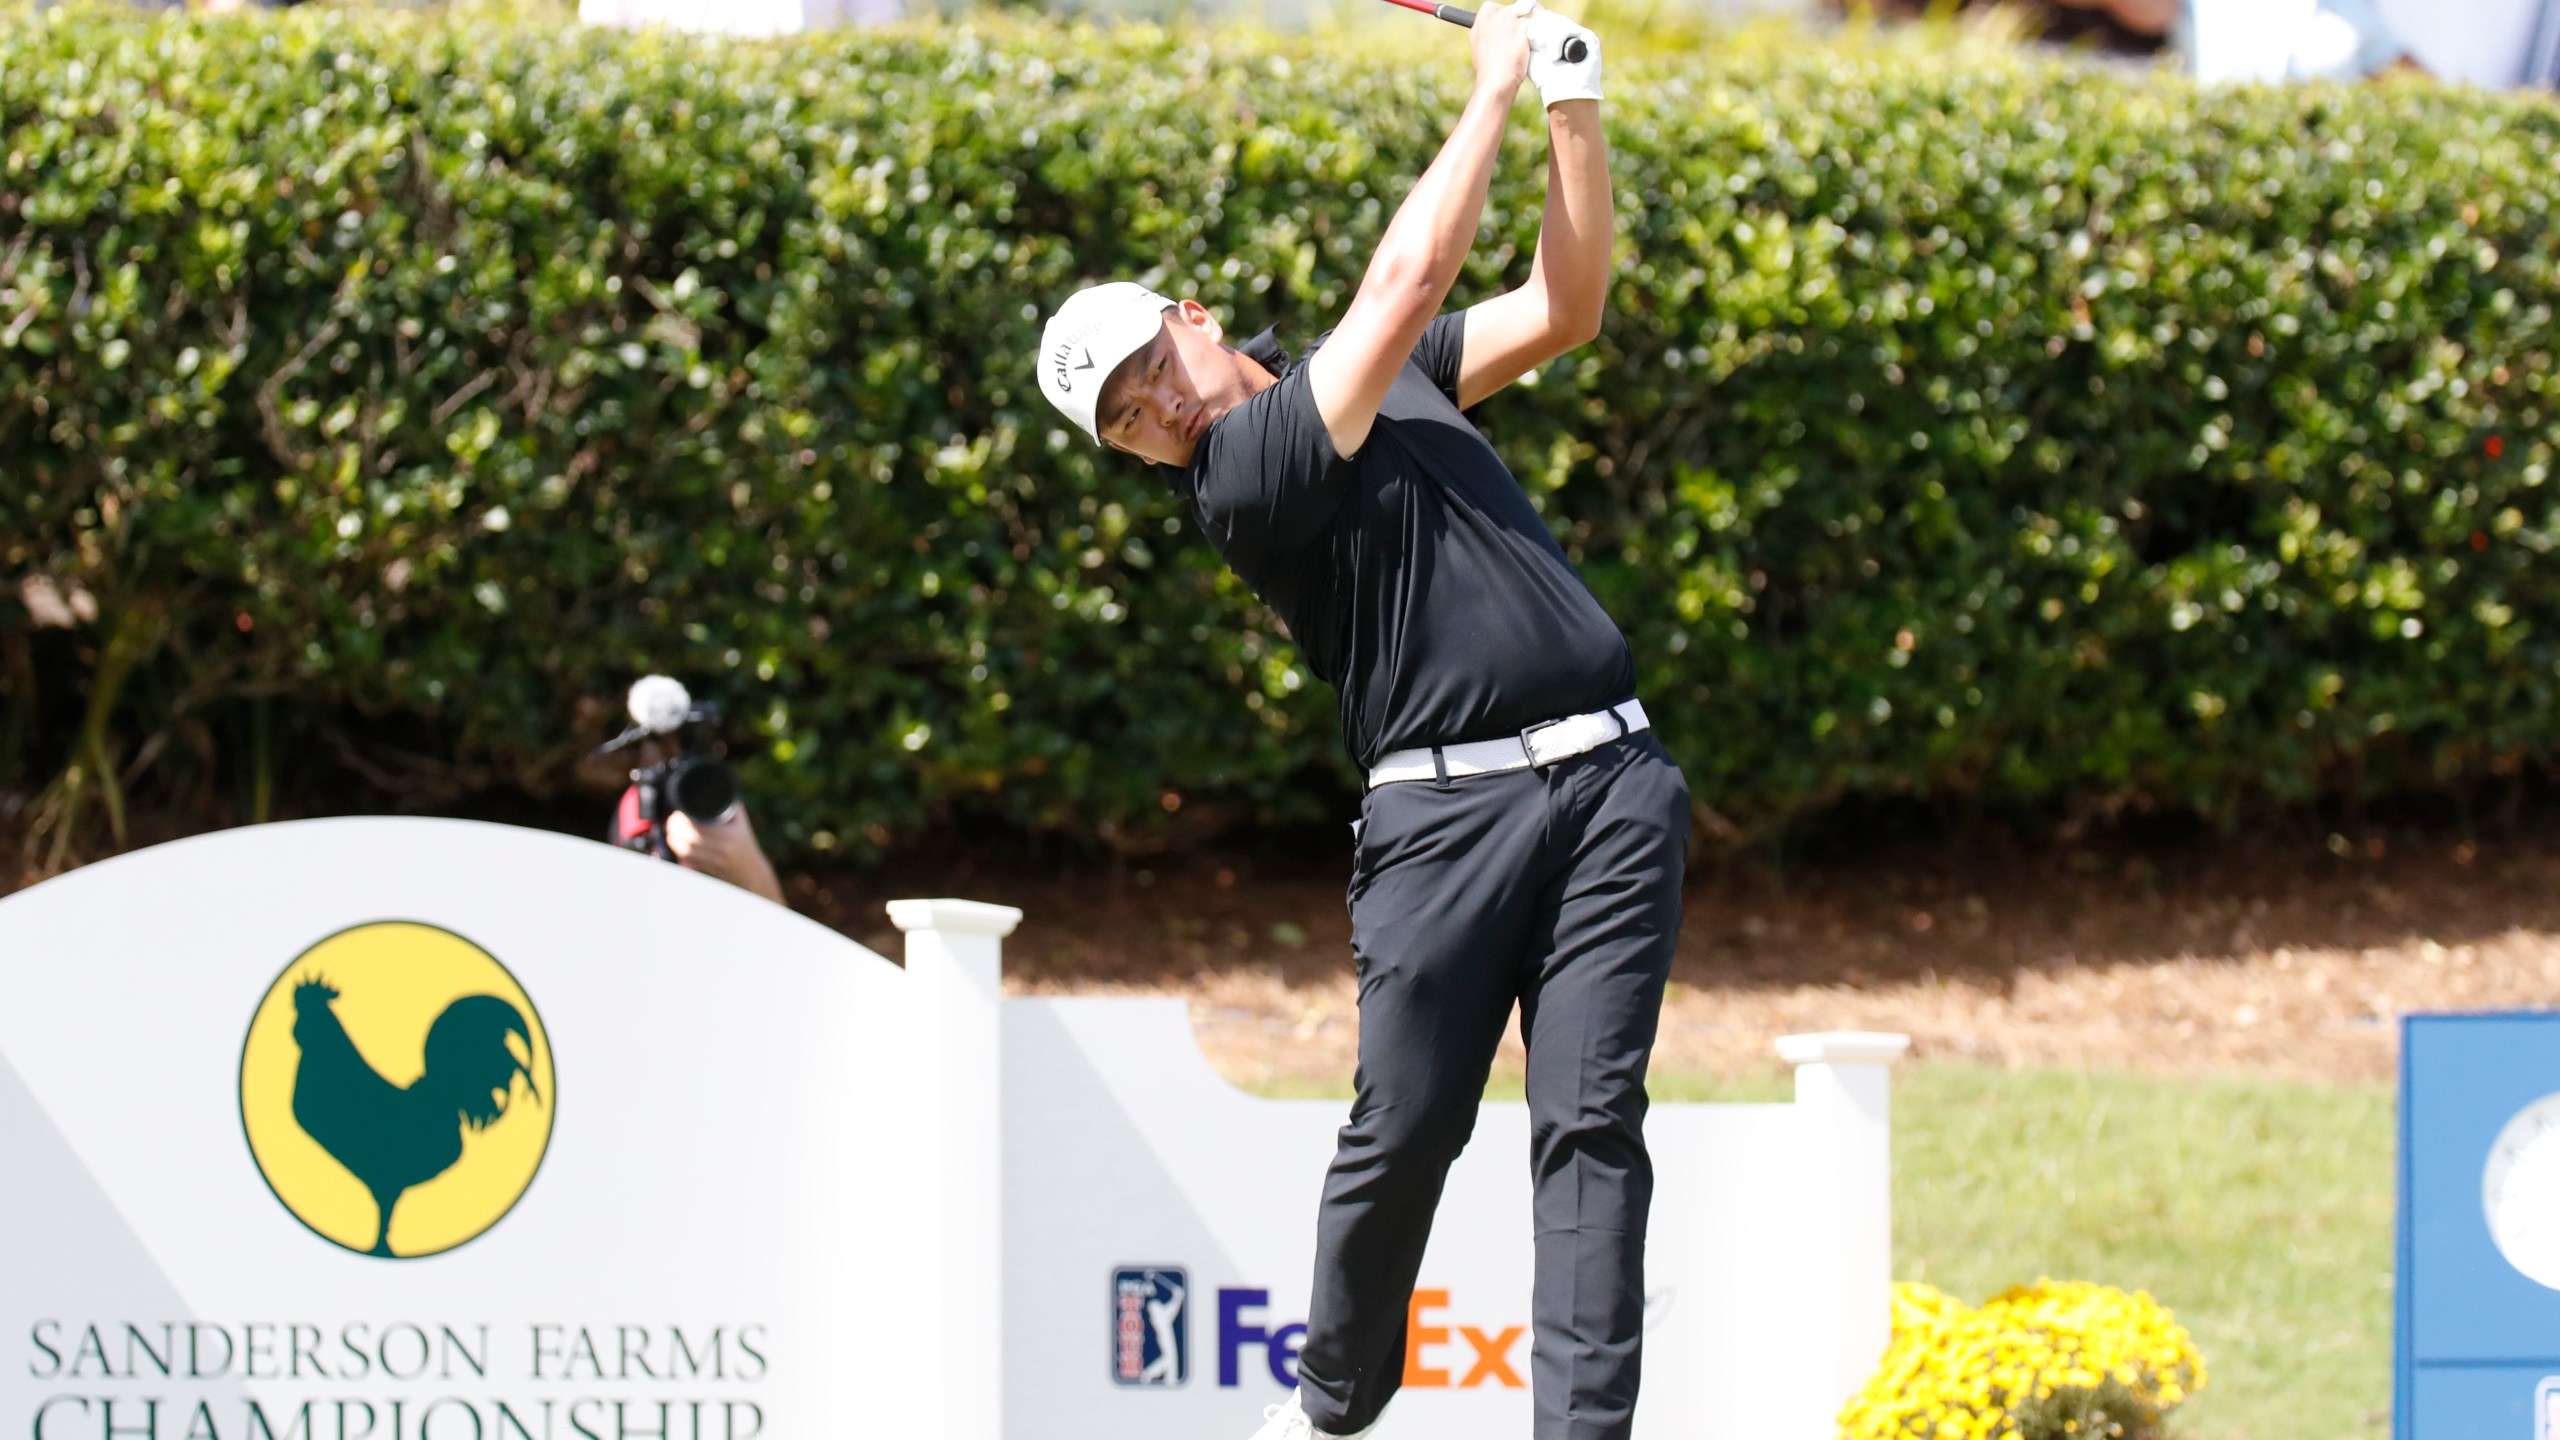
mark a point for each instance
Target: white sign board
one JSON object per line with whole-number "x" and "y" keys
{"x": 429, "y": 1130}
{"x": 695, "y": 1244}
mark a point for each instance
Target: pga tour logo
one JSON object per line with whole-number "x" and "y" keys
{"x": 1150, "y": 1326}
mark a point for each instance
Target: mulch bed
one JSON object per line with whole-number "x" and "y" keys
{"x": 2282, "y": 957}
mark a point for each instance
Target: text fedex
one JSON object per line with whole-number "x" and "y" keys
{"x": 1438, "y": 1355}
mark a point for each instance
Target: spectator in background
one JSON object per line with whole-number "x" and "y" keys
{"x": 2262, "y": 39}
{"x": 2148, "y": 19}
{"x": 2288, "y": 39}
{"x": 2273, "y": 40}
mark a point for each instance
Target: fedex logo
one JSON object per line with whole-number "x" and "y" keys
{"x": 1236, "y": 1331}
{"x": 1437, "y": 1355}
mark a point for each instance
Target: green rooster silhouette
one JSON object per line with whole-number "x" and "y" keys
{"x": 392, "y": 1138}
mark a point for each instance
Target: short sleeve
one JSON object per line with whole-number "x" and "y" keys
{"x": 1268, "y": 478}
{"x": 1442, "y": 352}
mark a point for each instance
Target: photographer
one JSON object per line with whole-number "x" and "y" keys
{"x": 683, "y": 803}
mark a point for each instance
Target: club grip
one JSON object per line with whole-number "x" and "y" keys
{"x": 1574, "y": 49}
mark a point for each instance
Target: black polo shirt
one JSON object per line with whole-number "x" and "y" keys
{"x": 1415, "y": 576}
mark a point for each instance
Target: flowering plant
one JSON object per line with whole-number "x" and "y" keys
{"x": 2045, "y": 1361}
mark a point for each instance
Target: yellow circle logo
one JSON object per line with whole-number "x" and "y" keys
{"x": 396, "y": 1089}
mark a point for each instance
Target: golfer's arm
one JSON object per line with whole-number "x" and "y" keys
{"x": 1409, "y": 278}
{"x": 1568, "y": 287}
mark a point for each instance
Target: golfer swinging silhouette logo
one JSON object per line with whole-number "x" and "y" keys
{"x": 396, "y": 1089}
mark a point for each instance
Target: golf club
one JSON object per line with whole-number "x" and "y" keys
{"x": 1573, "y": 50}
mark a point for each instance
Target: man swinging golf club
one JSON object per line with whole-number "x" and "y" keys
{"x": 1523, "y": 836}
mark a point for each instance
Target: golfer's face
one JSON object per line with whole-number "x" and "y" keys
{"x": 1156, "y": 410}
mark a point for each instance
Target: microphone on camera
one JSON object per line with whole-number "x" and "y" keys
{"x": 659, "y": 704}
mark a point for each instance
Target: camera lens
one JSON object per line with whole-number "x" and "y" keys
{"x": 705, "y": 789}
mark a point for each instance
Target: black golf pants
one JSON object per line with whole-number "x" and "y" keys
{"x": 1559, "y": 889}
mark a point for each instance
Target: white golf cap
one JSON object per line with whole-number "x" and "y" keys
{"x": 1096, "y": 329}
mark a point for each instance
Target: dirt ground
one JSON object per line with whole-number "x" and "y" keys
{"x": 2284, "y": 958}
{"x": 2289, "y": 956}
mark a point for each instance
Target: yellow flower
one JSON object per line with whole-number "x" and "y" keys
{"x": 2038, "y": 1362}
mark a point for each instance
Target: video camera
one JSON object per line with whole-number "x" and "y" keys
{"x": 674, "y": 733}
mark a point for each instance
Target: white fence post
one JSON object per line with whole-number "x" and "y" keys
{"x": 955, "y": 962}
{"x": 1844, "y": 1092}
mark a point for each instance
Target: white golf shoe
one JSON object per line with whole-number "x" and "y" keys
{"x": 1288, "y": 1421}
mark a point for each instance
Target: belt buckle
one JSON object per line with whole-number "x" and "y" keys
{"x": 1529, "y": 747}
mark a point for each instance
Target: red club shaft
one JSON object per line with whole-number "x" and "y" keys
{"x": 1573, "y": 51}
{"x": 1450, "y": 13}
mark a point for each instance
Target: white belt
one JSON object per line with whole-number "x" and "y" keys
{"x": 1534, "y": 748}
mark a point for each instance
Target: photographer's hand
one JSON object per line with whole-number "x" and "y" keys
{"x": 726, "y": 851}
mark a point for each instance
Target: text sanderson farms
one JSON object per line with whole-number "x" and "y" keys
{"x": 400, "y": 1380}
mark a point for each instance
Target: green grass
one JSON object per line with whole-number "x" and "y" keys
{"x": 2258, "y": 1210}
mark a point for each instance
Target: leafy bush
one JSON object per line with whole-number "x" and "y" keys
{"x": 2047, "y": 1361}
{"x": 386, "y": 391}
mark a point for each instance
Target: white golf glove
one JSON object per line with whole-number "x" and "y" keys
{"x": 1557, "y": 78}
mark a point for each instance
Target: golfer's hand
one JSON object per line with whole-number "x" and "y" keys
{"x": 1557, "y": 78}
{"x": 726, "y": 851}
{"x": 1500, "y": 41}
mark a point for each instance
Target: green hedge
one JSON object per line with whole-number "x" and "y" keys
{"x": 388, "y": 391}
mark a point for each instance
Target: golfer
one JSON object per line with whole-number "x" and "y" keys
{"x": 1522, "y": 837}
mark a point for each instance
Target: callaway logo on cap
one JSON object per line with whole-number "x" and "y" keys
{"x": 1096, "y": 329}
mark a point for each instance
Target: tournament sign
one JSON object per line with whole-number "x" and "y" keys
{"x": 429, "y": 1130}
{"x": 2479, "y": 1246}
{"x": 424, "y": 1130}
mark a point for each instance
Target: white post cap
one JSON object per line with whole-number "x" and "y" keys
{"x": 959, "y": 917}
{"x": 1843, "y": 1047}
